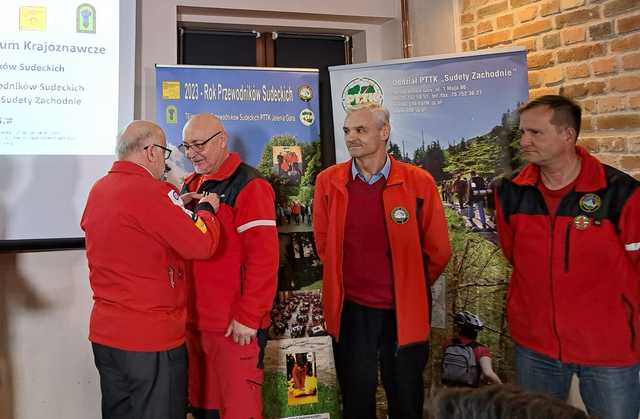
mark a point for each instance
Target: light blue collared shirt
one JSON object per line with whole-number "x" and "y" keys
{"x": 384, "y": 172}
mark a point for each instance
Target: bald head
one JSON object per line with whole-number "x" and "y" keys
{"x": 144, "y": 143}
{"x": 202, "y": 124}
{"x": 206, "y": 142}
{"x": 135, "y": 136}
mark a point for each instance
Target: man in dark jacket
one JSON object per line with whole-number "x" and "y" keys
{"x": 570, "y": 226}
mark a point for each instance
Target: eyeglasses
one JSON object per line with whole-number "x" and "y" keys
{"x": 184, "y": 147}
{"x": 166, "y": 151}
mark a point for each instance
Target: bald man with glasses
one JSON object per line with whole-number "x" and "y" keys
{"x": 231, "y": 293}
{"x": 138, "y": 235}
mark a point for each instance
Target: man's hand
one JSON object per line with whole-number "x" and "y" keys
{"x": 211, "y": 198}
{"x": 189, "y": 196}
{"x": 241, "y": 334}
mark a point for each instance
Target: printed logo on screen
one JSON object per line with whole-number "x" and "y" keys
{"x": 171, "y": 114}
{"x": 86, "y": 18}
{"x": 171, "y": 89}
{"x": 361, "y": 91}
{"x": 307, "y": 117}
{"x": 33, "y": 18}
{"x": 305, "y": 93}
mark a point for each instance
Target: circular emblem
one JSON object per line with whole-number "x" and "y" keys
{"x": 361, "y": 91}
{"x": 305, "y": 93}
{"x": 582, "y": 222}
{"x": 175, "y": 195}
{"x": 399, "y": 215}
{"x": 590, "y": 202}
{"x": 307, "y": 117}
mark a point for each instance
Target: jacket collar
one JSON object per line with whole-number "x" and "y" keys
{"x": 590, "y": 178}
{"x": 125, "y": 166}
{"x": 229, "y": 165}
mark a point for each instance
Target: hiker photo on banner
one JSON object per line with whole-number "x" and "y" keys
{"x": 287, "y": 163}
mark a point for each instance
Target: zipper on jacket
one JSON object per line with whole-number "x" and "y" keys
{"x": 630, "y": 313}
{"x": 567, "y": 240}
{"x": 395, "y": 291}
{"x": 553, "y": 299}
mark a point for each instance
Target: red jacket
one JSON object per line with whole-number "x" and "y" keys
{"x": 574, "y": 293}
{"x": 420, "y": 247}
{"x": 239, "y": 282}
{"x": 137, "y": 234}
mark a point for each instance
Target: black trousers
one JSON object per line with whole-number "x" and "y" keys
{"x": 142, "y": 385}
{"x": 368, "y": 338}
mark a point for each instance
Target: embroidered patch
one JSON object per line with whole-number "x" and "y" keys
{"x": 175, "y": 200}
{"x": 582, "y": 222}
{"x": 590, "y": 202}
{"x": 400, "y": 215}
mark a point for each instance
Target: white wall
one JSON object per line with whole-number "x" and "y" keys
{"x": 46, "y": 366}
{"x": 433, "y": 27}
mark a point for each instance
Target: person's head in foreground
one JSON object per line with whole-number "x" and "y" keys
{"x": 499, "y": 402}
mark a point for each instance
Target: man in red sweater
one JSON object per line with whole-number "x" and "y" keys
{"x": 137, "y": 236}
{"x": 382, "y": 236}
{"x": 231, "y": 293}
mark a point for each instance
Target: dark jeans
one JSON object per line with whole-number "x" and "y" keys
{"x": 142, "y": 385}
{"x": 368, "y": 339}
{"x": 607, "y": 392}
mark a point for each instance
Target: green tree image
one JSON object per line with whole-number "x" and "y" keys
{"x": 311, "y": 164}
{"x": 434, "y": 161}
{"x": 394, "y": 151}
{"x": 266, "y": 162}
{"x": 493, "y": 153}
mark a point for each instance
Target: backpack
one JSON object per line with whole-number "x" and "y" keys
{"x": 478, "y": 186}
{"x": 459, "y": 365}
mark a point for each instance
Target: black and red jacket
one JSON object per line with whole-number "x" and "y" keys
{"x": 239, "y": 282}
{"x": 574, "y": 293}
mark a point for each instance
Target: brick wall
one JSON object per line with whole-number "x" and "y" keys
{"x": 585, "y": 49}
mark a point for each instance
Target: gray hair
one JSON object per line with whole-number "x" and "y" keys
{"x": 380, "y": 113}
{"x": 128, "y": 142}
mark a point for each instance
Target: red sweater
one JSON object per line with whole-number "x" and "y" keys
{"x": 419, "y": 246}
{"x": 368, "y": 278}
{"x": 137, "y": 234}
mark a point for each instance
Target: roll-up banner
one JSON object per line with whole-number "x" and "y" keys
{"x": 272, "y": 118}
{"x": 455, "y": 116}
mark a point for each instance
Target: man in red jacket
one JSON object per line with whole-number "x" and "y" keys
{"x": 137, "y": 236}
{"x": 570, "y": 226}
{"x": 382, "y": 237}
{"x": 232, "y": 292}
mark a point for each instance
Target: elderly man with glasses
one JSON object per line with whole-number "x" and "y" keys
{"x": 137, "y": 236}
{"x": 231, "y": 293}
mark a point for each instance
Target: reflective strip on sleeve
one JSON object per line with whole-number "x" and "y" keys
{"x": 632, "y": 247}
{"x": 256, "y": 223}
